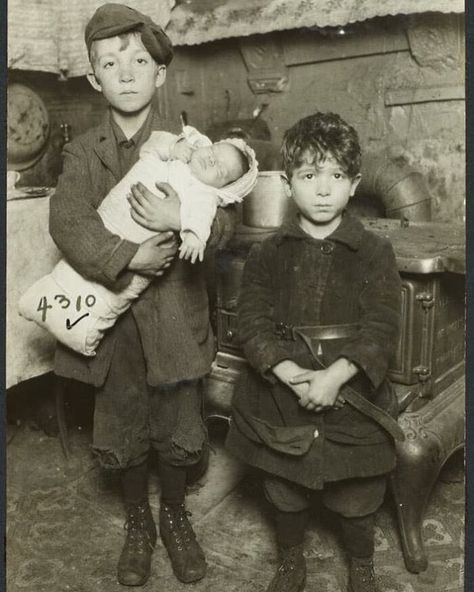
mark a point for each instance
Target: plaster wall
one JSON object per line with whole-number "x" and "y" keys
{"x": 399, "y": 80}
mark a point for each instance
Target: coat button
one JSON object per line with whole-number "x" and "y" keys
{"x": 316, "y": 433}
{"x": 327, "y": 248}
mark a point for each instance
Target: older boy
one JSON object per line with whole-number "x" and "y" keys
{"x": 148, "y": 392}
{"x": 318, "y": 319}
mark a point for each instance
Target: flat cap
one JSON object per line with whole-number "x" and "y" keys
{"x": 114, "y": 19}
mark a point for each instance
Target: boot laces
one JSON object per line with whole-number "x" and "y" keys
{"x": 365, "y": 572}
{"x": 137, "y": 532}
{"x": 288, "y": 561}
{"x": 180, "y": 526}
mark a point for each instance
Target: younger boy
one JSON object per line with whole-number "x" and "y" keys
{"x": 318, "y": 319}
{"x": 148, "y": 367}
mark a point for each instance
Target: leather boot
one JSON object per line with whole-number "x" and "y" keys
{"x": 187, "y": 557}
{"x": 362, "y": 576}
{"x": 291, "y": 572}
{"x": 134, "y": 564}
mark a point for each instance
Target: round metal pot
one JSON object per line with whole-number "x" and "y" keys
{"x": 267, "y": 206}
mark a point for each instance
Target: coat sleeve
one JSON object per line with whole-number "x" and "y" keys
{"x": 380, "y": 313}
{"x": 222, "y": 228}
{"x": 255, "y": 313}
{"x": 77, "y": 228}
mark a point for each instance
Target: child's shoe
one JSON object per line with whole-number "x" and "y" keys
{"x": 291, "y": 573}
{"x": 362, "y": 576}
{"x": 187, "y": 557}
{"x": 134, "y": 564}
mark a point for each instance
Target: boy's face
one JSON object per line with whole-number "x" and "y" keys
{"x": 321, "y": 189}
{"x": 216, "y": 165}
{"x": 125, "y": 73}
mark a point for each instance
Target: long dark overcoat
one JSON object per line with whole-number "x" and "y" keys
{"x": 172, "y": 314}
{"x": 292, "y": 278}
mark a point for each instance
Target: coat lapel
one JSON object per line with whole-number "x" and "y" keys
{"x": 106, "y": 148}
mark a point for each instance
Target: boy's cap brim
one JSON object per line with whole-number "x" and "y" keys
{"x": 112, "y": 19}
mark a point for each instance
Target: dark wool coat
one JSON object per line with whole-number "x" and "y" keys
{"x": 350, "y": 277}
{"x": 172, "y": 314}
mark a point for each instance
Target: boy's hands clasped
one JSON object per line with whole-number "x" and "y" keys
{"x": 317, "y": 390}
{"x": 322, "y": 389}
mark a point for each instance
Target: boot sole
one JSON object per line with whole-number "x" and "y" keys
{"x": 133, "y": 583}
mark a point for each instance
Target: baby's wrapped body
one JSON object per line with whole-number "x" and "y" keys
{"x": 202, "y": 186}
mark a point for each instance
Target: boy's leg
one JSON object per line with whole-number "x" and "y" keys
{"x": 356, "y": 501}
{"x": 121, "y": 442}
{"x": 290, "y": 503}
{"x": 179, "y": 436}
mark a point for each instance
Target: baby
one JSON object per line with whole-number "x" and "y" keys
{"x": 204, "y": 175}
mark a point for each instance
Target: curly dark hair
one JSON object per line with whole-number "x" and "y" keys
{"x": 320, "y": 134}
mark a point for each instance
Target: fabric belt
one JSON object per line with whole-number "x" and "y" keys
{"x": 351, "y": 396}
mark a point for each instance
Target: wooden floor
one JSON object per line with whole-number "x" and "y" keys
{"x": 65, "y": 528}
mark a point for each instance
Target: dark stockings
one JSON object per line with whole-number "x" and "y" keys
{"x": 290, "y": 527}
{"x": 358, "y": 535}
{"x": 172, "y": 483}
{"x": 135, "y": 484}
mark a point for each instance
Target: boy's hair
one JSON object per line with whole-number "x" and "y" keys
{"x": 320, "y": 134}
{"x": 124, "y": 43}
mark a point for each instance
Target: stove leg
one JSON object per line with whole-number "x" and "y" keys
{"x": 411, "y": 485}
{"x": 432, "y": 434}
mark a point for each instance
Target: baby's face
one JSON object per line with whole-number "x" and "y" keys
{"x": 216, "y": 165}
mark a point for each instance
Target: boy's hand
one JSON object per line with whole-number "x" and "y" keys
{"x": 192, "y": 247}
{"x": 322, "y": 392}
{"x": 285, "y": 371}
{"x": 152, "y": 211}
{"x": 324, "y": 385}
{"x": 154, "y": 255}
{"x": 182, "y": 151}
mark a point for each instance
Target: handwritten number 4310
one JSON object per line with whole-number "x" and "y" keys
{"x": 64, "y": 302}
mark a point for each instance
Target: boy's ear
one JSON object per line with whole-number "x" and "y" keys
{"x": 160, "y": 76}
{"x": 93, "y": 81}
{"x": 355, "y": 182}
{"x": 286, "y": 185}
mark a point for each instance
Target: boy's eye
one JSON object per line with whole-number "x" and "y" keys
{"x": 142, "y": 61}
{"x": 108, "y": 64}
{"x": 337, "y": 175}
{"x": 309, "y": 176}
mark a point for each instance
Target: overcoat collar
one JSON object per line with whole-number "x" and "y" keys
{"x": 349, "y": 232}
{"x": 105, "y": 145}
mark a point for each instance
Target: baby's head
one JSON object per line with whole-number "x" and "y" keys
{"x": 218, "y": 165}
